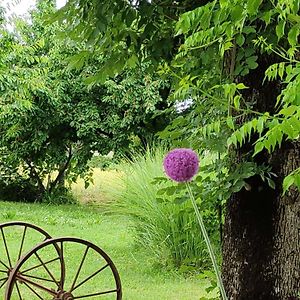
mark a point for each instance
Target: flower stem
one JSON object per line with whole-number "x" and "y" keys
{"x": 208, "y": 243}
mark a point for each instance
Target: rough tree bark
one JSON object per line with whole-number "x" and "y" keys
{"x": 261, "y": 245}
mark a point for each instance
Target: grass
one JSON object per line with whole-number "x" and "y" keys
{"x": 96, "y": 193}
{"x": 114, "y": 235}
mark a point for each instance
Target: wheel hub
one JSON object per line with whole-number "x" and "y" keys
{"x": 64, "y": 296}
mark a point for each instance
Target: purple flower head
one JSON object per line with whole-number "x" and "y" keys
{"x": 181, "y": 164}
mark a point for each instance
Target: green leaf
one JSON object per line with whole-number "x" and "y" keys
{"x": 297, "y": 180}
{"x": 245, "y": 71}
{"x": 294, "y": 18}
{"x": 287, "y": 182}
{"x": 236, "y": 101}
{"x": 281, "y": 68}
{"x": 160, "y": 200}
{"x": 259, "y": 146}
{"x": 237, "y": 13}
{"x": 288, "y": 129}
{"x": 251, "y": 62}
{"x": 230, "y": 123}
{"x": 132, "y": 61}
{"x": 288, "y": 111}
{"x": 227, "y": 45}
{"x": 180, "y": 200}
{"x": 205, "y": 19}
{"x": 260, "y": 125}
{"x": 240, "y": 40}
{"x": 249, "y": 52}
{"x": 267, "y": 17}
{"x": 161, "y": 191}
{"x": 249, "y": 29}
{"x": 271, "y": 183}
{"x": 295, "y": 123}
{"x": 280, "y": 29}
{"x": 241, "y": 86}
{"x": 293, "y": 35}
{"x": 253, "y": 6}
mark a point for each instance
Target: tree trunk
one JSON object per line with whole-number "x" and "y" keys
{"x": 261, "y": 244}
{"x": 286, "y": 249}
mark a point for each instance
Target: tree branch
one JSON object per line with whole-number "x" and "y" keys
{"x": 107, "y": 134}
{"x": 62, "y": 170}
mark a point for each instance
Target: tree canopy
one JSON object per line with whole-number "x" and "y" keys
{"x": 210, "y": 51}
{"x": 51, "y": 119}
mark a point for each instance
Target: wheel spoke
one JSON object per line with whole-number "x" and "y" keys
{"x": 40, "y": 265}
{"x": 29, "y": 282}
{"x": 36, "y": 277}
{"x": 6, "y": 249}
{"x": 3, "y": 271}
{"x": 61, "y": 256}
{"x": 45, "y": 267}
{"x": 22, "y": 242}
{"x": 33, "y": 291}
{"x": 2, "y": 284}
{"x": 18, "y": 290}
{"x": 96, "y": 294}
{"x": 79, "y": 268}
{"x": 3, "y": 264}
{"x": 90, "y": 277}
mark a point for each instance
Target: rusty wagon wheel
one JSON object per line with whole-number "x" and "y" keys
{"x": 89, "y": 273}
{"x": 17, "y": 238}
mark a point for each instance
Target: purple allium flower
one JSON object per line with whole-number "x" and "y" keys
{"x": 181, "y": 164}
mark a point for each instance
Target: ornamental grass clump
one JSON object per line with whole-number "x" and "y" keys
{"x": 182, "y": 165}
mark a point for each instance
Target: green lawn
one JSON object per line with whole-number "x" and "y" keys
{"x": 140, "y": 280}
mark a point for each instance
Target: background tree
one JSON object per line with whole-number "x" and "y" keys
{"x": 51, "y": 120}
{"x": 239, "y": 60}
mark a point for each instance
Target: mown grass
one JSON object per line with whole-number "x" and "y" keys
{"x": 140, "y": 280}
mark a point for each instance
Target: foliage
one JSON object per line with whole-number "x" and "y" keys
{"x": 121, "y": 30}
{"x": 101, "y": 161}
{"x": 212, "y": 47}
{"x": 170, "y": 230}
{"x": 18, "y": 189}
{"x": 231, "y": 34}
{"x": 51, "y": 121}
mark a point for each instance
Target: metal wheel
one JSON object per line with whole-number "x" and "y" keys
{"x": 17, "y": 238}
{"x": 89, "y": 273}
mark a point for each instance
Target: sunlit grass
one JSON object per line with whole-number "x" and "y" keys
{"x": 97, "y": 192}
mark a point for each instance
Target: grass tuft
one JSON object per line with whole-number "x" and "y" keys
{"x": 169, "y": 230}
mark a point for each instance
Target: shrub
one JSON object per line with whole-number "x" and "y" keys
{"x": 19, "y": 190}
{"x": 102, "y": 162}
{"x": 61, "y": 195}
{"x": 169, "y": 230}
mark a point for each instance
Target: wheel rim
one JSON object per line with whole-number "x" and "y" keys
{"x": 17, "y": 238}
{"x": 88, "y": 273}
